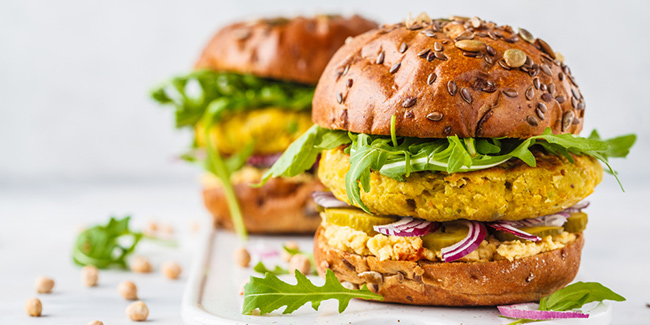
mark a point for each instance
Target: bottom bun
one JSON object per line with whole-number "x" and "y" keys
{"x": 454, "y": 284}
{"x": 280, "y": 206}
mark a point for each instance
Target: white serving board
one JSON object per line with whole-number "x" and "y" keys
{"x": 212, "y": 294}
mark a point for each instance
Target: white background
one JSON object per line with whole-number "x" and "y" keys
{"x": 75, "y": 74}
{"x": 80, "y": 138}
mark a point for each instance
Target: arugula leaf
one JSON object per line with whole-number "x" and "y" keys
{"x": 397, "y": 157}
{"x": 261, "y": 268}
{"x": 216, "y": 165}
{"x": 214, "y": 93}
{"x": 100, "y": 245}
{"x": 270, "y": 293}
{"x": 576, "y": 295}
{"x": 302, "y": 153}
{"x": 572, "y": 297}
{"x": 236, "y": 161}
{"x": 619, "y": 147}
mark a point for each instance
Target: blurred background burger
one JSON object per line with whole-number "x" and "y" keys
{"x": 247, "y": 100}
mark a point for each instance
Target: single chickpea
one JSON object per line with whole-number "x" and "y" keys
{"x": 167, "y": 229}
{"x": 96, "y": 322}
{"x": 33, "y": 307}
{"x": 242, "y": 257}
{"x": 89, "y": 275}
{"x": 43, "y": 284}
{"x": 151, "y": 228}
{"x": 286, "y": 256}
{"x": 195, "y": 225}
{"x": 128, "y": 290}
{"x": 137, "y": 311}
{"x": 301, "y": 263}
{"x": 171, "y": 270}
{"x": 140, "y": 264}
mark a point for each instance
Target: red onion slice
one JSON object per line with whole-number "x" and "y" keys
{"x": 328, "y": 200}
{"x": 407, "y": 227}
{"x": 577, "y": 208}
{"x": 505, "y": 227}
{"x": 552, "y": 220}
{"x": 581, "y": 205}
{"x": 263, "y": 161}
{"x": 471, "y": 242}
{"x": 518, "y": 311}
{"x": 264, "y": 253}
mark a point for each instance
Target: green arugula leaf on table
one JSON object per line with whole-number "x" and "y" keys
{"x": 100, "y": 245}
{"x": 572, "y": 297}
{"x": 261, "y": 268}
{"x": 270, "y": 293}
{"x": 576, "y": 295}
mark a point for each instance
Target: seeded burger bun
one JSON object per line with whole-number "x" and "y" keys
{"x": 439, "y": 78}
{"x": 454, "y": 284}
{"x": 294, "y": 49}
{"x": 464, "y": 78}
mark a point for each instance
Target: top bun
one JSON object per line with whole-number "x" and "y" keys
{"x": 295, "y": 49}
{"x": 456, "y": 76}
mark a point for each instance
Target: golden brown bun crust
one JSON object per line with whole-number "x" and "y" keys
{"x": 280, "y": 206}
{"x": 296, "y": 50}
{"x": 388, "y": 72}
{"x": 457, "y": 283}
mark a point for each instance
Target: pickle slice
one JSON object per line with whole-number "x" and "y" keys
{"x": 539, "y": 231}
{"x": 577, "y": 222}
{"x": 447, "y": 234}
{"x": 356, "y": 219}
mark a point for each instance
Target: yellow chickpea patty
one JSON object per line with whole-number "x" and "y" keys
{"x": 410, "y": 248}
{"x": 510, "y": 191}
{"x": 272, "y": 129}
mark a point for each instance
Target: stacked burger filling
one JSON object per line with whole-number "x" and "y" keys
{"x": 454, "y": 168}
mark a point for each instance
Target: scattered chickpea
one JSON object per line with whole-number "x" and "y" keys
{"x": 171, "y": 270}
{"x": 286, "y": 256}
{"x": 301, "y": 263}
{"x": 140, "y": 264}
{"x": 89, "y": 275}
{"x": 96, "y": 322}
{"x": 43, "y": 284}
{"x": 242, "y": 257}
{"x": 195, "y": 226}
{"x": 167, "y": 229}
{"x": 33, "y": 307}
{"x": 137, "y": 311}
{"x": 128, "y": 290}
{"x": 152, "y": 227}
